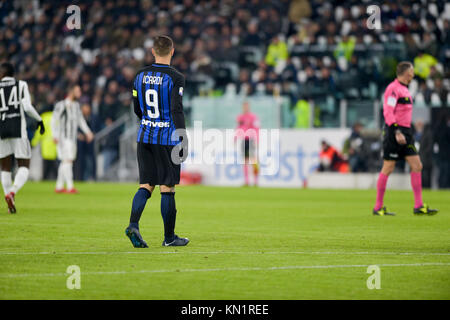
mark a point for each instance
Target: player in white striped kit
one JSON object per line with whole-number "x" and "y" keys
{"x": 66, "y": 119}
{"x": 14, "y": 102}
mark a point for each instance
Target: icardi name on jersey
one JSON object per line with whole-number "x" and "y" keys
{"x": 157, "y": 93}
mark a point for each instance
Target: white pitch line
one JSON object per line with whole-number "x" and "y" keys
{"x": 23, "y": 275}
{"x": 231, "y": 252}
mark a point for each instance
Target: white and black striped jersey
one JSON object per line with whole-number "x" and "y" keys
{"x": 66, "y": 119}
{"x": 15, "y": 100}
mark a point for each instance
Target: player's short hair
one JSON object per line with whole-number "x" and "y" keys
{"x": 403, "y": 66}
{"x": 73, "y": 85}
{"x": 162, "y": 45}
{"x": 7, "y": 69}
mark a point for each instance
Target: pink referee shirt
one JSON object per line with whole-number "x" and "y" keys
{"x": 248, "y": 123}
{"x": 397, "y": 106}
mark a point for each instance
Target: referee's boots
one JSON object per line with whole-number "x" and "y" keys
{"x": 425, "y": 210}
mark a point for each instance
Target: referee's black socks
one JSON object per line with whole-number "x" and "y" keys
{"x": 139, "y": 201}
{"x": 168, "y": 213}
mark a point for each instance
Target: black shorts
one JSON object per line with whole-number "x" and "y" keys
{"x": 156, "y": 166}
{"x": 248, "y": 147}
{"x": 392, "y": 150}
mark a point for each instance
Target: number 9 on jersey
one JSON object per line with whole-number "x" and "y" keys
{"x": 151, "y": 100}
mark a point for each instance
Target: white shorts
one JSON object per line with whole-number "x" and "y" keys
{"x": 20, "y": 147}
{"x": 67, "y": 150}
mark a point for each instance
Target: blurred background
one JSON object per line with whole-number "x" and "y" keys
{"x": 311, "y": 68}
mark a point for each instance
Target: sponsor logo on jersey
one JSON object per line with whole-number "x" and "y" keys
{"x": 154, "y": 124}
{"x": 152, "y": 80}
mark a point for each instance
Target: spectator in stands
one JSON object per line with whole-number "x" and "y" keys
{"x": 401, "y": 26}
{"x": 299, "y": 9}
{"x": 276, "y": 52}
{"x": 302, "y": 111}
{"x": 429, "y": 44}
{"x": 252, "y": 38}
{"x": 85, "y": 164}
{"x": 117, "y": 34}
{"x": 442, "y": 138}
{"x": 424, "y": 136}
{"x": 331, "y": 160}
{"x": 423, "y": 63}
{"x": 353, "y": 150}
{"x": 326, "y": 81}
{"x": 345, "y": 48}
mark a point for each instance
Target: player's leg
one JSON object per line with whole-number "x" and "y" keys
{"x": 246, "y": 175}
{"x": 59, "y": 188}
{"x": 386, "y": 170}
{"x": 246, "y": 147}
{"x": 256, "y": 172}
{"x": 254, "y": 161}
{"x": 22, "y": 152}
{"x": 6, "y": 152}
{"x": 139, "y": 201}
{"x": 67, "y": 168}
{"x": 21, "y": 176}
{"x": 169, "y": 214}
{"x": 7, "y": 183}
{"x": 71, "y": 155}
{"x": 146, "y": 175}
{"x": 416, "y": 183}
{"x": 60, "y": 178}
{"x": 6, "y": 175}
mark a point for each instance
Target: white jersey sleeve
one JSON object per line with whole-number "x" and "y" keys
{"x": 26, "y": 101}
{"x": 56, "y": 119}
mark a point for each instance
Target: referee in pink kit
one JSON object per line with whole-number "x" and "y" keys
{"x": 398, "y": 140}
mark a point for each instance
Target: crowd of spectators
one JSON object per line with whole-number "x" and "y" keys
{"x": 303, "y": 49}
{"x": 296, "y": 48}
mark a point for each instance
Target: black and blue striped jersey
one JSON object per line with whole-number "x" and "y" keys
{"x": 157, "y": 97}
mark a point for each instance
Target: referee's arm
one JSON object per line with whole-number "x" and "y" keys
{"x": 390, "y": 102}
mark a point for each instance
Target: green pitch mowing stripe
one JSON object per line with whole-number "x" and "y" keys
{"x": 246, "y": 243}
{"x": 21, "y": 275}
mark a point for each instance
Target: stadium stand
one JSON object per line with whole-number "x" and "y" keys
{"x": 316, "y": 51}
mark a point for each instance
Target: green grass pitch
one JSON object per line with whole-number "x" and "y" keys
{"x": 246, "y": 243}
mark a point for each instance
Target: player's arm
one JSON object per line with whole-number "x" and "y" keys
{"x": 28, "y": 107}
{"x": 137, "y": 107}
{"x": 84, "y": 126}
{"x": 56, "y": 117}
{"x": 176, "y": 111}
{"x": 390, "y": 102}
{"x": 176, "y": 108}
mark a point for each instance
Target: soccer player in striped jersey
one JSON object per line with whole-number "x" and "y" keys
{"x": 14, "y": 101}
{"x": 398, "y": 140}
{"x": 157, "y": 95}
{"x": 66, "y": 119}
